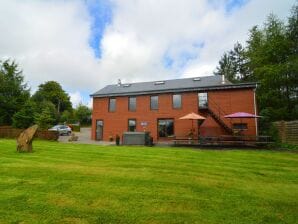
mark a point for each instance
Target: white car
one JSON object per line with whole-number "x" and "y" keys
{"x": 62, "y": 129}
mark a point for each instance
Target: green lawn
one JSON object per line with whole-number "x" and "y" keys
{"x": 72, "y": 183}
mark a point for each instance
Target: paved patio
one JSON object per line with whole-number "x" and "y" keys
{"x": 84, "y": 138}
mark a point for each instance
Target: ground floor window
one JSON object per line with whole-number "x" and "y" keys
{"x": 165, "y": 127}
{"x": 132, "y": 125}
{"x": 240, "y": 126}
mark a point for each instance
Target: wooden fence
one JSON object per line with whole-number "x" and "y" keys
{"x": 288, "y": 131}
{"x": 9, "y": 132}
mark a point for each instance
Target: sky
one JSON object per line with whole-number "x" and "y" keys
{"x": 87, "y": 44}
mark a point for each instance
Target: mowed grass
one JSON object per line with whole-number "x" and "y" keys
{"x": 72, "y": 183}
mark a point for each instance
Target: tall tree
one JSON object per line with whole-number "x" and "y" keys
{"x": 233, "y": 64}
{"x": 83, "y": 114}
{"x": 226, "y": 67}
{"x": 292, "y": 66}
{"x": 13, "y": 91}
{"x": 269, "y": 58}
{"x": 268, "y": 52}
{"x": 52, "y": 91}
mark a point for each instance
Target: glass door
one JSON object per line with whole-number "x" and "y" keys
{"x": 99, "y": 130}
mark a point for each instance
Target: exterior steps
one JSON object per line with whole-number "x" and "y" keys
{"x": 220, "y": 121}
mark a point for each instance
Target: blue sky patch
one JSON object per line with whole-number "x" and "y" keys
{"x": 101, "y": 14}
{"x": 231, "y": 5}
{"x": 167, "y": 61}
{"x": 181, "y": 60}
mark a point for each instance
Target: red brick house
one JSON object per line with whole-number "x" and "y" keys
{"x": 157, "y": 106}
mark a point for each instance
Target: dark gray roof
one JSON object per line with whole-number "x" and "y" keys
{"x": 175, "y": 85}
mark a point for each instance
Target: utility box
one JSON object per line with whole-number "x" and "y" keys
{"x": 136, "y": 138}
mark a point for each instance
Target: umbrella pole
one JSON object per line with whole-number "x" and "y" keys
{"x": 192, "y": 129}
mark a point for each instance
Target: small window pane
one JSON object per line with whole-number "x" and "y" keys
{"x": 240, "y": 126}
{"x": 132, "y": 124}
{"x": 176, "y": 101}
{"x": 112, "y": 105}
{"x": 165, "y": 127}
{"x": 203, "y": 100}
{"x": 154, "y": 102}
{"x": 132, "y": 103}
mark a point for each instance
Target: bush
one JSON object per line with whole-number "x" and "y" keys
{"x": 75, "y": 128}
{"x": 46, "y": 119}
{"x": 288, "y": 146}
{"x": 273, "y": 132}
{"x": 25, "y": 117}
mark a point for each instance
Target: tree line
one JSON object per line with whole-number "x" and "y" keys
{"x": 48, "y": 106}
{"x": 269, "y": 58}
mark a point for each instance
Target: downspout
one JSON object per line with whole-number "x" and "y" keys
{"x": 255, "y": 106}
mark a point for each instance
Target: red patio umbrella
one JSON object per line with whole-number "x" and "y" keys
{"x": 192, "y": 116}
{"x": 241, "y": 115}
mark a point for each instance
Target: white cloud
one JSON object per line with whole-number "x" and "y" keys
{"x": 75, "y": 98}
{"x": 90, "y": 103}
{"x": 49, "y": 39}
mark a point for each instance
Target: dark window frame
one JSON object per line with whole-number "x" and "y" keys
{"x": 109, "y": 109}
{"x": 173, "y": 104}
{"x": 167, "y": 136}
{"x": 201, "y": 105}
{"x": 128, "y": 126}
{"x": 129, "y": 106}
{"x": 151, "y": 102}
{"x": 240, "y": 126}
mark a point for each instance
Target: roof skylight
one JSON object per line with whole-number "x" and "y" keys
{"x": 159, "y": 82}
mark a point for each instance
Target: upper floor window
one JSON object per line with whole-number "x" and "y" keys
{"x": 132, "y": 125}
{"x": 132, "y": 103}
{"x": 112, "y": 104}
{"x": 203, "y": 100}
{"x": 177, "y": 101}
{"x": 154, "y": 102}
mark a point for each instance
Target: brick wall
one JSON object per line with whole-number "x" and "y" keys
{"x": 117, "y": 122}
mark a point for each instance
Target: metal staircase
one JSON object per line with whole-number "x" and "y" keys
{"x": 217, "y": 113}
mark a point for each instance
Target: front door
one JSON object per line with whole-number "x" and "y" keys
{"x": 99, "y": 130}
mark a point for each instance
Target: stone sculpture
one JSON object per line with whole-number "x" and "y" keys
{"x": 24, "y": 141}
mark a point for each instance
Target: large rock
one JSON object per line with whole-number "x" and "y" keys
{"x": 24, "y": 141}
{"x": 73, "y": 138}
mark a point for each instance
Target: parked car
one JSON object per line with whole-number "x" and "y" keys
{"x": 62, "y": 129}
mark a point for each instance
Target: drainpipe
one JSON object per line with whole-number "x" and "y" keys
{"x": 255, "y": 107}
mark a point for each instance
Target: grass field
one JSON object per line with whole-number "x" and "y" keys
{"x": 72, "y": 183}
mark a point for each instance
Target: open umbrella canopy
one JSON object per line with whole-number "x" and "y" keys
{"x": 241, "y": 115}
{"x": 192, "y": 116}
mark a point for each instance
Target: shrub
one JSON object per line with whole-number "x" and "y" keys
{"x": 25, "y": 117}
{"x": 46, "y": 119}
{"x": 76, "y": 128}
